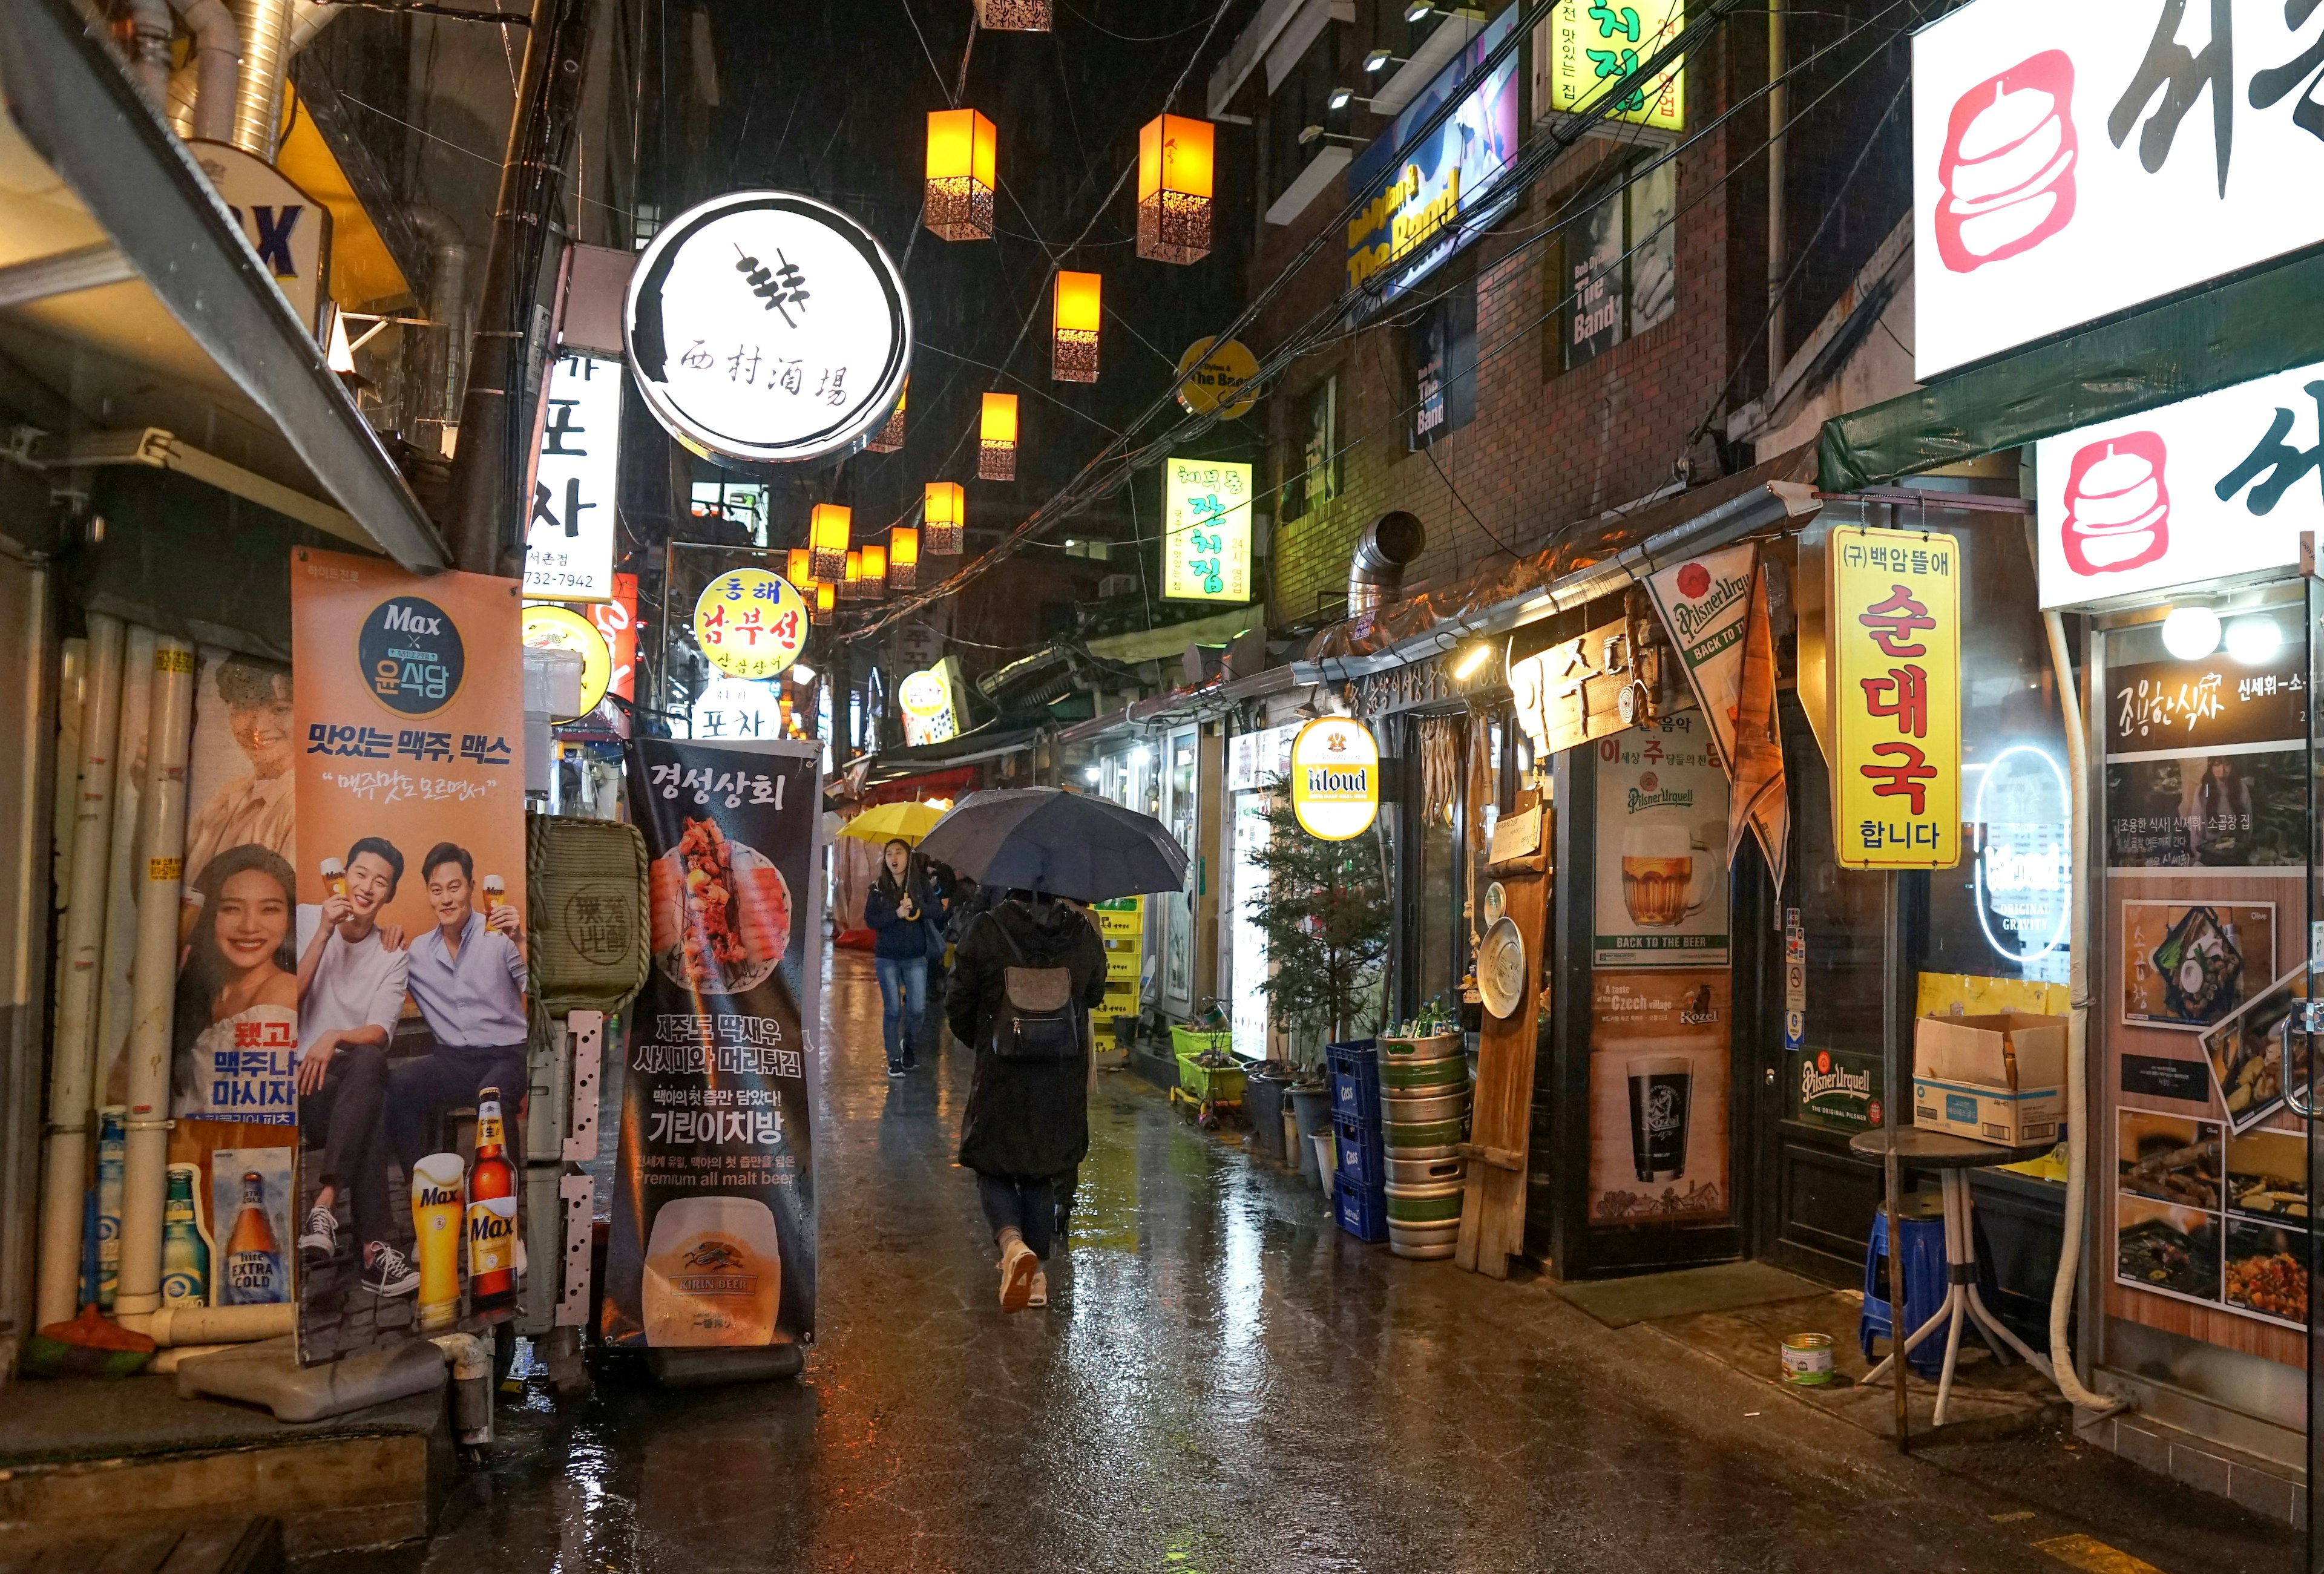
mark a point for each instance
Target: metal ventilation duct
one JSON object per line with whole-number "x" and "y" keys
{"x": 1376, "y": 571}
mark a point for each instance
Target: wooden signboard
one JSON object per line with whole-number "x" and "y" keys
{"x": 1492, "y": 1216}
{"x": 1585, "y": 688}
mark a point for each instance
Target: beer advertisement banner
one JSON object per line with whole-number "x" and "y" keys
{"x": 1658, "y": 1062}
{"x": 1704, "y": 602}
{"x": 408, "y": 936}
{"x": 1895, "y": 621}
{"x": 714, "y": 1238}
{"x": 1661, "y": 847}
{"x": 235, "y": 1030}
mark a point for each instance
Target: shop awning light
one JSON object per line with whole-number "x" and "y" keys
{"x": 1419, "y": 11}
{"x": 1095, "y": 773}
{"x": 1379, "y": 60}
{"x": 2191, "y": 633}
{"x": 1339, "y": 99}
{"x": 1474, "y": 658}
{"x": 2253, "y": 641}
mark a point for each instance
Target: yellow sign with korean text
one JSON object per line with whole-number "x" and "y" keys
{"x": 749, "y": 623}
{"x": 1584, "y": 47}
{"x": 1206, "y": 515}
{"x": 1895, "y": 621}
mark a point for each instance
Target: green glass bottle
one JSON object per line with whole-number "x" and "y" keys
{"x": 185, "y": 1247}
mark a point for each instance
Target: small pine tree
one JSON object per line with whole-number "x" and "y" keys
{"x": 1324, "y": 910}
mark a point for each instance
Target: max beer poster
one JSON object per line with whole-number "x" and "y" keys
{"x": 407, "y": 938}
{"x": 714, "y": 1205}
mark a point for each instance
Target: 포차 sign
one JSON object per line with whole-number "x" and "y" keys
{"x": 2077, "y": 157}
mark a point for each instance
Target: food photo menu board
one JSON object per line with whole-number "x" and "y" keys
{"x": 2205, "y": 1215}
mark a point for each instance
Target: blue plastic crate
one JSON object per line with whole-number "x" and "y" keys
{"x": 1362, "y": 1159}
{"x": 1362, "y": 1209}
{"x": 1355, "y": 1079}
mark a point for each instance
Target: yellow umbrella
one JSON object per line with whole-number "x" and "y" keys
{"x": 884, "y": 823}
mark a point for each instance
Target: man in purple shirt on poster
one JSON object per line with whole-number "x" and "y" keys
{"x": 467, "y": 975}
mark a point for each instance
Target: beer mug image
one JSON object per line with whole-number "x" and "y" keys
{"x": 335, "y": 877}
{"x": 436, "y": 1217}
{"x": 1664, "y": 875}
{"x": 496, "y": 891}
{"x": 1662, "y": 1087}
{"x": 713, "y": 1274}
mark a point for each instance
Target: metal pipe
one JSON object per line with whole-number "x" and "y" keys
{"x": 132, "y": 768}
{"x": 66, "y": 1177}
{"x": 1779, "y": 111}
{"x": 149, "y": 32}
{"x": 1376, "y": 568}
{"x": 307, "y": 18}
{"x": 214, "y": 1325}
{"x": 145, "y": 1160}
{"x": 450, "y": 254}
{"x": 265, "y": 27}
{"x": 213, "y": 71}
{"x": 2078, "y": 1028}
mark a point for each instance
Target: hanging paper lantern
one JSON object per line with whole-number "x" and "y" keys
{"x": 850, "y": 586}
{"x": 903, "y": 556}
{"x": 875, "y": 571}
{"x": 891, "y": 437}
{"x": 1173, "y": 189}
{"x": 823, "y": 596}
{"x": 1013, "y": 15}
{"x": 945, "y": 519}
{"x": 961, "y": 175}
{"x": 1073, "y": 333}
{"x": 996, "y": 449}
{"x": 827, "y": 528}
{"x": 797, "y": 568}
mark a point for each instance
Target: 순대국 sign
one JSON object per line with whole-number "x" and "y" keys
{"x": 765, "y": 327}
{"x": 1894, "y": 616}
{"x": 1335, "y": 779}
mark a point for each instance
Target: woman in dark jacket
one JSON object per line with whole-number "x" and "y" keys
{"x": 896, "y": 911}
{"x": 1027, "y": 1128}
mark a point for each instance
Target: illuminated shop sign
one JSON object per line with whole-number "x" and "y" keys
{"x": 1583, "y": 45}
{"x": 569, "y": 541}
{"x": 1335, "y": 779}
{"x": 2023, "y": 876}
{"x": 1206, "y": 515}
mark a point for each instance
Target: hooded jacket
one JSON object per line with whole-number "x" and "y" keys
{"x": 1024, "y": 1118}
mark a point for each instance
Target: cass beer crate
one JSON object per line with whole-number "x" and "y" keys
{"x": 1362, "y": 1209}
{"x": 1362, "y": 1159}
{"x": 1355, "y": 1069}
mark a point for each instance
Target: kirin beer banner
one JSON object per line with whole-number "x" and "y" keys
{"x": 713, "y": 1236}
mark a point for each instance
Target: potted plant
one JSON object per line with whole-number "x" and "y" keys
{"x": 1323, "y": 909}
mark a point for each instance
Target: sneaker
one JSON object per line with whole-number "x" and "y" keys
{"x": 1018, "y": 1270}
{"x": 1040, "y": 1293}
{"x": 895, "y": 1071}
{"x": 321, "y": 1235}
{"x": 387, "y": 1271}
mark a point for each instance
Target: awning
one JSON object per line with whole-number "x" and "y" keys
{"x": 128, "y": 289}
{"x": 2252, "y": 328}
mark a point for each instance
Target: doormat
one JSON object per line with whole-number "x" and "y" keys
{"x": 1721, "y": 1287}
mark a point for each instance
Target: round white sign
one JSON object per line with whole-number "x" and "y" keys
{"x": 765, "y": 327}
{"x": 1335, "y": 779}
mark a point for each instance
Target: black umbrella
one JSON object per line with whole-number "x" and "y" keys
{"x": 1067, "y": 844}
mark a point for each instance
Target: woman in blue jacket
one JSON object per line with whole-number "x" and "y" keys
{"x": 896, "y": 911}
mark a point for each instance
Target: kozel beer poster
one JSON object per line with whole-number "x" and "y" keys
{"x": 714, "y": 1196}
{"x": 406, "y": 947}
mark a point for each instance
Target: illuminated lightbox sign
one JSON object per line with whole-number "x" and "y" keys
{"x": 2215, "y": 485}
{"x": 738, "y": 707}
{"x": 749, "y": 623}
{"x": 569, "y": 540}
{"x": 928, "y": 701}
{"x": 1335, "y": 779}
{"x": 548, "y": 627}
{"x": 2077, "y": 157}
{"x": 1431, "y": 196}
{"x": 1583, "y": 45}
{"x": 1206, "y": 515}
{"x": 765, "y": 327}
{"x": 2024, "y": 875}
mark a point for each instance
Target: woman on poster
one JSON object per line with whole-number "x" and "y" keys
{"x": 238, "y": 993}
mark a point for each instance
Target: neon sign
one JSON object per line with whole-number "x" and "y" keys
{"x": 2024, "y": 872}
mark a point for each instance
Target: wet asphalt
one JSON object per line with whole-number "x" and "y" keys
{"x": 1224, "y": 1382}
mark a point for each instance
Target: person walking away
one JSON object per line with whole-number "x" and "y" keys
{"x": 896, "y": 911}
{"x": 1026, "y": 975}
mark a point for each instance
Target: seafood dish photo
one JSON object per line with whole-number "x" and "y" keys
{"x": 722, "y": 912}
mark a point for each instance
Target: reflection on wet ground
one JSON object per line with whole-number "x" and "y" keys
{"x": 1223, "y": 1381}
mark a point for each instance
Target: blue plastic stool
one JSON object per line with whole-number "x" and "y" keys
{"x": 1925, "y": 1282}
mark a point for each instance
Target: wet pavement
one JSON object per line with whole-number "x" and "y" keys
{"x": 1224, "y": 1382}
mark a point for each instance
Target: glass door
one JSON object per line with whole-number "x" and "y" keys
{"x": 1180, "y": 773}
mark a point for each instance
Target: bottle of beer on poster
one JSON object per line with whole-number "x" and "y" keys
{"x": 185, "y": 1249}
{"x": 491, "y": 1213}
{"x": 254, "y": 1261}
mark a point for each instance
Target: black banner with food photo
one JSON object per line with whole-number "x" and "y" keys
{"x": 714, "y": 1226}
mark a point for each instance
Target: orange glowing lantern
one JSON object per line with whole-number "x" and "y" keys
{"x": 828, "y": 529}
{"x": 875, "y": 570}
{"x": 891, "y": 437}
{"x": 1013, "y": 15}
{"x": 823, "y": 596}
{"x": 961, "y": 175}
{"x": 1073, "y": 333}
{"x": 797, "y": 568}
{"x": 1173, "y": 189}
{"x": 996, "y": 449}
{"x": 903, "y": 556}
{"x": 850, "y": 586}
{"x": 945, "y": 519}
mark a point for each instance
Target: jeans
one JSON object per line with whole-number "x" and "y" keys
{"x": 344, "y": 1112}
{"x": 1024, "y": 1203}
{"x": 419, "y": 1090}
{"x": 903, "y": 1002}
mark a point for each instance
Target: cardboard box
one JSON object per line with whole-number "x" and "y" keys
{"x": 1993, "y": 1079}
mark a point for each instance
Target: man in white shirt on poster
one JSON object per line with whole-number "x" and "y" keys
{"x": 351, "y": 984}
{"x": 468, "y": 977}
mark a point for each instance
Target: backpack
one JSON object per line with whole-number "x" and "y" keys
{"x": 1037, "y": 1020}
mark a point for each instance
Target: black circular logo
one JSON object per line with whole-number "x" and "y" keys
{"x": 597, "y": 924}
{"x": 411, "y": 655}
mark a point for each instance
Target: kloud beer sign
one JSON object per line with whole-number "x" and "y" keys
{"x": 1335, "y": 779}
{"x": 2216, "y": 485}
{"x": 2073, "y": 158}
{"x": 1895, "y": 612}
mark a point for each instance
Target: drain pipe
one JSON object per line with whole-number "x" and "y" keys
{"x": 145, "y": 1160}
{"x": 71, "y": 1071}
{"x": 2078, "y": 1039}
{"x": 448, "y": 254}
{"x": 149, "y": 32}
{"x": 118, "y": 959}
{"x": 211, "y": 76}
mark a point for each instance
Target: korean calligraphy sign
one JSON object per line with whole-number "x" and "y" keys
{"x": 1584, "y": 46}
{"x": 570, "y": 533}
{"x": 1206, "y": 510}
{"x": 1895, "y": 609}
{"x": 1579, "y": 689}
{"x": 751, "y": 624}
{"x": 2179, "y": 707}
{"x": 2219, "y": 485}
{"x": 2078, "y": 157}
{"x": 767, "y": 327}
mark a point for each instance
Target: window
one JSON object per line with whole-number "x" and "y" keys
{"x": 1313, "y": 475}
{"x": 1440, "y": 350}
{"x": 1616, "y": 268}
